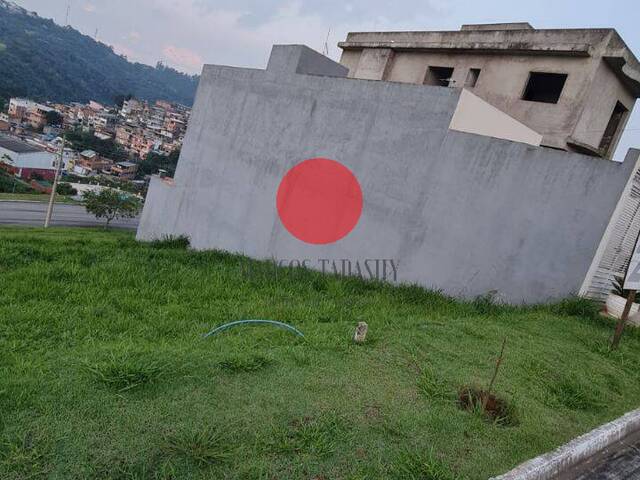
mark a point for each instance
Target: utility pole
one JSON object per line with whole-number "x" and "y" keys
{"x": 52, "y": 197}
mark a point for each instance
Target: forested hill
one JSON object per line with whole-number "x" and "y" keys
{"x": 44, "y": 61}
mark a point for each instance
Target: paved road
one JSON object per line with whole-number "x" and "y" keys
{"x": 621, "y": 461}
{"x": 33, "y": 213}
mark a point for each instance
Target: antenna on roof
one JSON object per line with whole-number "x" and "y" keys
{"x": 325, "y": 48}
{"x": 66, "y": 20}
{"x": 96, "y": 35}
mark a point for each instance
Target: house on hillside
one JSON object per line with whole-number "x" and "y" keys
{"x": 25, "y": 160}
{"x": 126, "y": 170}
{"x": 90, "y": 162}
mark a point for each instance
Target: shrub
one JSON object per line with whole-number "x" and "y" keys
{"x": 577, "y": 307}
{"x": 66, "y": 189}
{"x": 179, "y": 242}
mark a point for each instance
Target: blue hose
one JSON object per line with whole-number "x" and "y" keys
{"x": 227, "y": 326}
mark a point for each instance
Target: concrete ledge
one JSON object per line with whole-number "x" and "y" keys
{"x": 552, "y": 464}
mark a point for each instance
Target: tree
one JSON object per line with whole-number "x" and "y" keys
{"x": 81, "y": 140}
{"x": 155, "y": 161}
{"x": 53, "y": 118}
{"x": 111, "y": 204}
{"x": 66, "y": 189}
{"x": 120, "y": 99}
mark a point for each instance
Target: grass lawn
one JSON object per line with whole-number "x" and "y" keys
{"x": 104, "y": 372}
{"x": 36, "y": 197}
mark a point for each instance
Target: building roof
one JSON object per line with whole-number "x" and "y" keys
{"x": 126, "y": 164}
{"x": 514, "y": 39}
{"x": 88, "y": 153}
{"x": 17, "y": 146}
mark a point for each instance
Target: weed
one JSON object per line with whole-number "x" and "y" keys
{"x": 577, "y": 307}
{"x": 126, "y": 372}
{"x": 205, "y": 446}
{"x": 410, "y": 465}
{"x": 174, "y": 242}
{"x": 317, "y": 436}
{"x": 485, "y": 305}
{"x": 487, "y": 406}
{"x": 575, "y": 393}
{"x": 244, "y": 363}
{"x": 23, "y": 458}
{"x": 433, "y": 386}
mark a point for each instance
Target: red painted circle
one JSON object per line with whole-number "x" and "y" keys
{"x": 319, "y": 201}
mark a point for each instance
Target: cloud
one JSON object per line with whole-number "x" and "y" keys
{"x": 133, "y": 36}
{"x": 89, "y": 7}
{"x": 182, "y": 57}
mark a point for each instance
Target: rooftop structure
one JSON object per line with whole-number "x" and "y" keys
{"x": 575, "y": 87}
{"x": 16, "y": 145}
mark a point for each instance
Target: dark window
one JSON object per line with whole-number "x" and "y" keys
{"x": 472, "y": 77}
{"x": 544, "y": 87}
{"x": 440, "y": 76}
{"x": 611, "y": 131}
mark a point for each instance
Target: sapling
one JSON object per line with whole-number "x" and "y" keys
{"x": 486, "y": 396}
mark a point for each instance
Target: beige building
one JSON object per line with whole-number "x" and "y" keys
{"x": 575, "y": 87}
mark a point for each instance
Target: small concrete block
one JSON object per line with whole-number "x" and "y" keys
{"x": 361, "y": 332}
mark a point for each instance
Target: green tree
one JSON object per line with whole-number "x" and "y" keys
{"x": 155, "y": 161}
{"x": 81, "y": 140}
{"x": 66, "y": 189}
{"x": 53, "y": 118}
{"x": 111, "y": 204}
{"x": 120, "y": 99}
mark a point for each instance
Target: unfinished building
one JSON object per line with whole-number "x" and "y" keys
{"x": 576, "y": 87}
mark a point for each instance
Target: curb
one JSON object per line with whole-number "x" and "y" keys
{"x": 550, "y": 465}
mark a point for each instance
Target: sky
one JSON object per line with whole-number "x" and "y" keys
{"x": 186, "y": 34}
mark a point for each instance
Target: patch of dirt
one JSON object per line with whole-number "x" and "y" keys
{"x": 372, "y": 412}
{"x": 495, "y": 409}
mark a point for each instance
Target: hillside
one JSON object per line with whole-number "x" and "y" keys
{"x": 104, "y": 371}
{"x": 42, "y": 60}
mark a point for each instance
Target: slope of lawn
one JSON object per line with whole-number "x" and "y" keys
{"x": 104, "y": 372}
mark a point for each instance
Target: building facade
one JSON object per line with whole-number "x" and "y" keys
{"x": 456, "y": 209}
{"x": 25, "y": 160}
{"x": 575, "y": 87}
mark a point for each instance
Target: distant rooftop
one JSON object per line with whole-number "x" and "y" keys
{"x": 88, "y": 153}
{"x": 16, "y": 145}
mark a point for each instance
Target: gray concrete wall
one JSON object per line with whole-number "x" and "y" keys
{"x": 459, "y": 212}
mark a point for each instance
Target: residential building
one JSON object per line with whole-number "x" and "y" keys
{"x": 22, "y": 109}
{"x": 575, "y": 87}
{"x": 25, "y": 160}
{"x": 90, "y": 162}
{"x": 125, "y": 170}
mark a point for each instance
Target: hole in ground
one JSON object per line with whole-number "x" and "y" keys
{"x": 495, "y": 410}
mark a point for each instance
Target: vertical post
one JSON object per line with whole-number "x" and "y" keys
{"x": 52, "y": 197}
{"x": 623, "y": 320}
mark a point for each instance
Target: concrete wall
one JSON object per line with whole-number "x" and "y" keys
{"x": 506, "y": 57}
{"x": 474, "y": 115}
{"x": 460, "y": 212}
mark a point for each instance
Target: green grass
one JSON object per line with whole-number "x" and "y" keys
{"x": 104, "y": 371}
{"x": 36, "y": 197}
